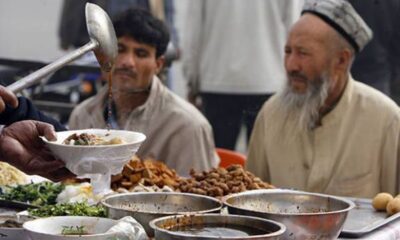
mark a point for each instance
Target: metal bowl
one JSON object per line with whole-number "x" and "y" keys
{"x": 216, "y": 226}
{"x": 145, "y": 207}
{"x": 305, "y": 215}
{"x": 14, "y": 232}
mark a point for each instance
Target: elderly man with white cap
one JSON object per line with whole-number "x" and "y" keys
{"x": 325, "y": 132}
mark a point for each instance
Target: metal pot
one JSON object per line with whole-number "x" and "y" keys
{"x": 12, "y": 233}
{"x": 146, "y": 206}
{"x": 305, "y": 215}
{"x": 216, "y": 226}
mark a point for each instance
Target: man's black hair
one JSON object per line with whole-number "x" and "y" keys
{"x": 143, "y": 27}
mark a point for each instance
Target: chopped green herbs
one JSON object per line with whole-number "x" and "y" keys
{"x": 69, "y": 209}
{"x": 35, "y": 193}
{"x": 74, "y": 230}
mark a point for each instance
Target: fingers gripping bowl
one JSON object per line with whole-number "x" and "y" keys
{"x": 97, "y": 162}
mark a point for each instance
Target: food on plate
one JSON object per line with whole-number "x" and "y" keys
{"x": 33, "y": 193}
{"x": 85, "y": 139}
{"x": 142, "y": 188}
{"x": 10, "y": 175}
{"x": 78, "y": 193}
{"x": 385, "y": 202}
{"x": 220, "y": 182}
{"x": 147, "y": 172}
{"x": 74, "y": 230}
{"x": 393, "y": 206}
{"x": 381, "y": 200}
{"x": 69, "y": 209}
{"x": 141, "y": 174}
{"x": 154, "y": 176}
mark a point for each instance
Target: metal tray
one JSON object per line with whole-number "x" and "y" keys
{"x": 363, "y": 219}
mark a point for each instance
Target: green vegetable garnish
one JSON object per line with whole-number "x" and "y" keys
{"x": 73, "y": 230}
{"x": 34, "y": 193}
{"x": 69, "y": 209}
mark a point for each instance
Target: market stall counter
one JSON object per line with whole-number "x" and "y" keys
{"x": 148, "y": 175}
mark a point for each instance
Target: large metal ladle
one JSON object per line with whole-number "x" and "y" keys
{"x": 103, "y": 42}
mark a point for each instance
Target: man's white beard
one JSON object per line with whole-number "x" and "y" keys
{"x": 303, "y": 108}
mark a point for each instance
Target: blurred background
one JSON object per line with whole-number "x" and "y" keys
{"x": 29, "y": 39}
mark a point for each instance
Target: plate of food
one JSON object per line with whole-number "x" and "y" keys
{"x": 70, "y": 227}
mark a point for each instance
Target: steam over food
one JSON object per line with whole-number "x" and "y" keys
{"x": 85, "y": 139}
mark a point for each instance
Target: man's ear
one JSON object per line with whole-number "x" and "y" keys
{"x": 344, "y": 60}
{"x": 160, "y": 63}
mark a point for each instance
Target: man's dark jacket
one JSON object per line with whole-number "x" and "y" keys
{"x": 27, "y": 111}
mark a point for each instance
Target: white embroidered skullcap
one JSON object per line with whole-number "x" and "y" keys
{"x": 340, "y": 15}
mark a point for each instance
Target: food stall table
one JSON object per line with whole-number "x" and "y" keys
{"x": 390, "y": 231}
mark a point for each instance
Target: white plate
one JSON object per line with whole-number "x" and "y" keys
{"x": 50, "y": 228}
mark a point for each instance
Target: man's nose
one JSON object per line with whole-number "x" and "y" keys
{"x": 128, "y": 60}
{"x": 292, "y": 63}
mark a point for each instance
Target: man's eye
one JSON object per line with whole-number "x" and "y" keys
{"x": 303, "y": 54}
{"x": 141, "y": 54}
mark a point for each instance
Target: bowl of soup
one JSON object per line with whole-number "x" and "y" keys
{"x": 216, "y": 226}
{"x": 95, "y": 151}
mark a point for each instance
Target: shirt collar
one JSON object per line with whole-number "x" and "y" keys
{"x": 155, "y": 90}
{"x": 342, "y": 105}
{"x": 145, "y": 110}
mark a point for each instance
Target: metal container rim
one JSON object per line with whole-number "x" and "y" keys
{"x": 350, "y": 203}
{"x": 215, "y": 200}
{"x": 273, "y": 234}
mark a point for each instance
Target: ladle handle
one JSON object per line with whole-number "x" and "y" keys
{"x": 34, "y": 77}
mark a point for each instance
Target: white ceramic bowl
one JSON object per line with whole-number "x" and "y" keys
{"x": 96, "y": 159}
{"x": 51, "y": 228}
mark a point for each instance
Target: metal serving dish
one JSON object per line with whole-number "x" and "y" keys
{"x": 14, "y": 230}
{"x": 305, "y": 215}
{"x": 216, "y": 226}
{"x": 146, "y": 206}
{"x": 364, "y": 219}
